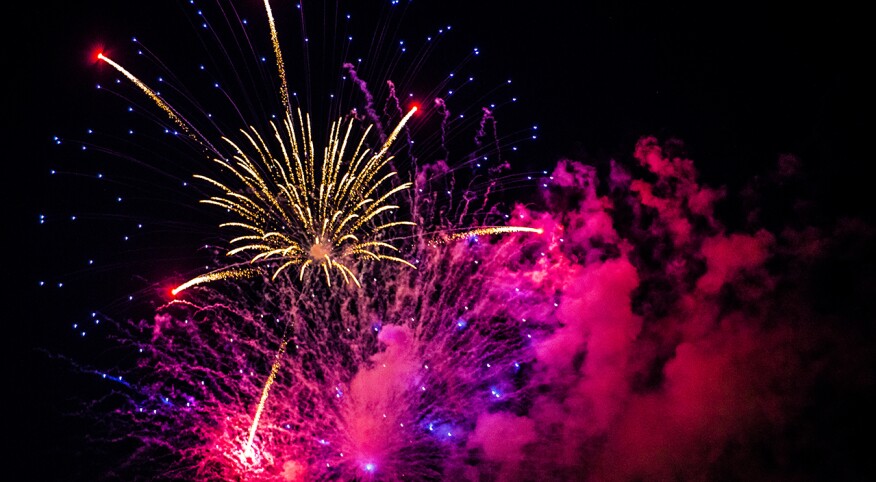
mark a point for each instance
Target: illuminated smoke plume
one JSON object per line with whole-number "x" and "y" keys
{"x": 636, "y": 339}
{"x": 371, "y": 114}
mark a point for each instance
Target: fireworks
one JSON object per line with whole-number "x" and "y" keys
{"x": 226, "y": 273}
{"x": 298, "y": 211}
{"x": 601, "y": 324}
{"x": 449, "y": 236}
{"x": 331, "y": 212}
{"x": 295, "y": 211}
{"x": 309, "y": 217}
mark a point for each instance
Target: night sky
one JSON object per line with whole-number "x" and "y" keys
{"x": 740, "y": 84}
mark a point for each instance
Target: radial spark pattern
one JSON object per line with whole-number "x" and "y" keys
{"x": 306, "y": 214}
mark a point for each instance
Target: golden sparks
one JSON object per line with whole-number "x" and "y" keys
{"x": 300, "y": 213}
{"x": 444, "y": 238}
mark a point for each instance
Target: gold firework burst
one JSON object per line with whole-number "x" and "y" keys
{"x": 293, "y": 210}
{"x": 304, "y": 214}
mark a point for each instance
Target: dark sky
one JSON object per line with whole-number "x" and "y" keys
{"x": 739, "y": 82}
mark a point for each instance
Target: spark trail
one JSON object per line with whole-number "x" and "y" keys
{"x": 449, "y": 236}
{"x": 261, "y": 406}
{"x": 170, "y": 111}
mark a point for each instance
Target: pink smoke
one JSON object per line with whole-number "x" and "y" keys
{"x": 372, "y": 115}
{"x": 638, "y": 337}
{"x": 706, "y": 386}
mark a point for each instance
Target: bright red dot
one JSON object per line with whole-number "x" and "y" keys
{"x": 96, "y": 53}
{"x": 415, "y": 107}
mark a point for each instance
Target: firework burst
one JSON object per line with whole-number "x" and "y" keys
{"x": 294, "y": 210}
{"x": 307, "y": 215}
{"x": 638, "y": 337}
{"x": 296, "y": 207}
{"x": 338, "y": 213}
